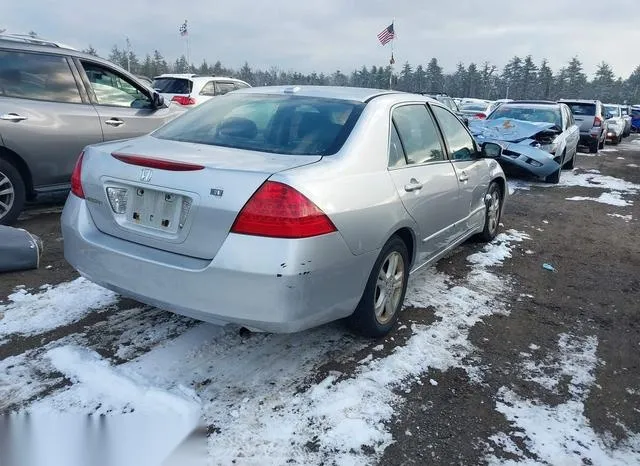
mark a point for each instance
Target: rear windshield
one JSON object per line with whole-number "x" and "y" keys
{"x": 290, "y": 125}
{"x": 474, "y": 107}
{"x": 172, "y": 85}
{"x": 533, "y": 114}
{"x": 611, "y": 109}
{"x": 582, "y": 109}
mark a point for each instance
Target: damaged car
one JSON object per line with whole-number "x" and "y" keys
{"x": 537, "y": 138}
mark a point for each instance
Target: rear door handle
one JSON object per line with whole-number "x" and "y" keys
{"x": 12, "y": 117}
{"x": 463, "y": 177}
{"x": 414, "y": 185}
{"x": 114, "y": 122}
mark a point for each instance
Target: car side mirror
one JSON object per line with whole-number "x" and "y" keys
{"x": 158, "y": 100}
{"x": 465, "y": 120}
{"x": 490, "y": 150}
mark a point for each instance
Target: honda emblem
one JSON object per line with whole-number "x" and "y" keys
{"x": 145, "y": 175}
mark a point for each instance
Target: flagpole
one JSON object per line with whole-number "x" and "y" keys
{"x": 391, "y": 60}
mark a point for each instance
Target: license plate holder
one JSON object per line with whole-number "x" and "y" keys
{"x": 156, "y": 210}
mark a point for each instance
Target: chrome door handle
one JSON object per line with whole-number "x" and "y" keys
{"x": 414, "y": 185}
{"x": 114, "y": 122}
{"x": 463, "y": 177}
{"x": 12, "y": 117}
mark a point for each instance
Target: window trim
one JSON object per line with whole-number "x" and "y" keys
{"x": 79, "y": 87}
{"x": 446, "y": 144}
{"x": 92, "y": 95}
{"x": 438, "y": 132}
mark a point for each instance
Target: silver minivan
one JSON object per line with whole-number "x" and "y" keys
{"x": 54, "y": 101}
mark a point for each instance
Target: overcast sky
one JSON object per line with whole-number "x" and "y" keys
{"x": 325, "y": 35}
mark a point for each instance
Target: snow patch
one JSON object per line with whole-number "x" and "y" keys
{"x": 626, "y": 218}
{"x": 562, "y": 434}
{"x": 31, "y": 313}
{"x": 498, "y": 250}
{"x": 114, "y": 389}
{"x": 632, "y": 165}
{"x": 613, "y": 198}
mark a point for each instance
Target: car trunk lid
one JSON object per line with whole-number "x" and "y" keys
{"x": 175, "y": 196}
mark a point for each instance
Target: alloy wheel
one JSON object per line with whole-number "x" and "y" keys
{"x": 7, "y": 195}
{"x": 388, "y": 290}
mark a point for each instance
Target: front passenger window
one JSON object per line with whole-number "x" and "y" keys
{"x": 460, "y": 142}
{"x": 112, "y": 89}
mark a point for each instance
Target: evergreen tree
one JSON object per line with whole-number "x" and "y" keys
{"x": 434, "y": 77}
{"x": 91, "y": 51}
{"x": 405, "y": 82}
{"x": 545, "y": 81}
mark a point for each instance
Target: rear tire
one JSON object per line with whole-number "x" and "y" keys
{"x": 601, "y": 143}
{"x": 381, "y": 302}
{"x": 493, "y": 213}
{"x": 594, "y": 146}
{"x": 12, "y": 193}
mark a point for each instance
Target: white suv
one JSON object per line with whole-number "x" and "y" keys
{"x": 190, "y": 90}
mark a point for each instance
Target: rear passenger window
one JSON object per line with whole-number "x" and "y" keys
{"x": 222, "y": 88}
{"x": 241, "y": 85}
{"x": 37, "y": 77}
{"x": 209, "y": 89}
{"x": 396, "y": 153}
{"x": 418, "y": 134}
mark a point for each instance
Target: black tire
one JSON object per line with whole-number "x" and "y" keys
{"x": 601, "y": 143}
{"x": 554, "y": 178}
{"x": 616, "y": 140}
{"x": 10, "y": 179}
{"x": 493, "y": 213}
{"x": 570, "y": 164}
{"x": 365, "y": 320}
{"x": 594, "y": 146}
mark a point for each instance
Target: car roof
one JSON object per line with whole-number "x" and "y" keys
{"x": 195, "y": 77}
{"x": 530, "y": 104}
{"x": 578, "y": 101}
{"x": 357, "y": 94}
{"x": 30, "y": 44}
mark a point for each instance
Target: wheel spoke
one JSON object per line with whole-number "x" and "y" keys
{"x": 3, "y": 207}
{"x": 3, "y": 179}
{"x": 393, "y": 265}
{"x": 389, "y": 308}
{"x": 4, "y": 192}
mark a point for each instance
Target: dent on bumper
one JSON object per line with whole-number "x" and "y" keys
{"x": 264, "y": 283}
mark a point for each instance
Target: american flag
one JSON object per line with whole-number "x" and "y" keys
{"x": 386, "y": 35}
{"x": 183, "y": 29}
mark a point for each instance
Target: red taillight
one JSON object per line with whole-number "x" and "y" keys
{"x": 481, "y": 116}
{"x": 597, "y": 121}
{"x": 157, "y": 163}
{"x": 183, "y": 100}
{"x": 76, "y": 178}
{"x": 279, "y": 211}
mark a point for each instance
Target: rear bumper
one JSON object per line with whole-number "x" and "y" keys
{"x": 590, "y": 137}
{"x": 267, "y": 284}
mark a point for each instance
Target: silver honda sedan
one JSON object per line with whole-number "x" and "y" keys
{"x": 283, "y": 208}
